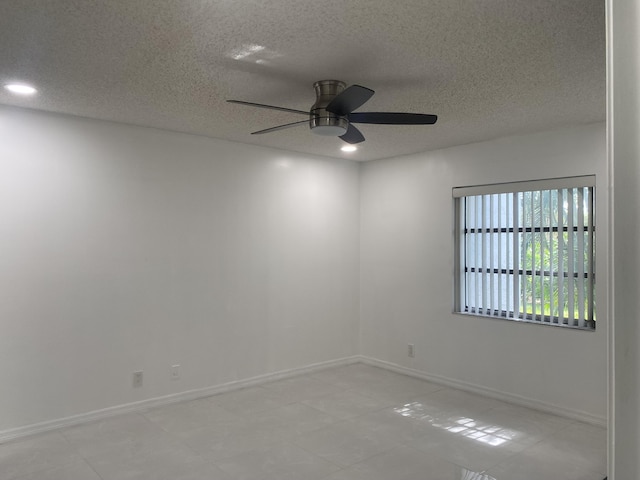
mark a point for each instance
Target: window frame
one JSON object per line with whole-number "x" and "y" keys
{"x": 460, "y": 230}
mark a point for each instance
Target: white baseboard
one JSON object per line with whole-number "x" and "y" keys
{"x": 489, "y": 392}
{"x": 95, "y": 415}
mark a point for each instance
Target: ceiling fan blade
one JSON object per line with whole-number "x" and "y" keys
{"x": 353, "y": 135}
{"x": 393, "y": 118}
{"x": 350, "y": 99}
{"x": 280, "y": 127}
{"x": 261, "y": 105}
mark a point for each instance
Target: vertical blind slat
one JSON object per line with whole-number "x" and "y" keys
{"x": 516, "y": 263}
{"x": 484, "y": 254}
{"x": 477, "y": 254}
{"x": 561, "y": 268}
{"x": 472, "y": 241}
{"x": 462, "y": 251}
{"x": 591, "y": 249}
{"x": 492, "y": 234}
{"x": 541, "y": 263}
{"x": 501, "y": 264}
{"x": 570, "y": 261}
{"x": 532, "y": 264}
{"x": 552, "y": 250}
{"x": 580, "y": 234}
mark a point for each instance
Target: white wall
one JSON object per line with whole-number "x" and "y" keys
{"x": 624, "y": 156}
{"x": 123, "y": 249}
{"x": 407, "y": 247}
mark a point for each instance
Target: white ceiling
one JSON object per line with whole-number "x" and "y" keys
{"x": 487, "y": 68}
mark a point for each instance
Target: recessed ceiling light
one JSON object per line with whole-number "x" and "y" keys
{"x": 349, "y": 148}
{"x": 20, "y": 88}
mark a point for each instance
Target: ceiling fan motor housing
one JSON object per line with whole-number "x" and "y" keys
{"x": 321, "y": 121}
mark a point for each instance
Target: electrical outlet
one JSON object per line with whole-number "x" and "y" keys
{"x": 175, "y": 372}
{"x": 411, "y": 350}
{"x": 137, "y": 379}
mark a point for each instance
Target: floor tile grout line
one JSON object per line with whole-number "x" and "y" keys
{"x": 92, "y": 469}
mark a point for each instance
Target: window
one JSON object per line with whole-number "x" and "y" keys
{"x": 526, "y": 251}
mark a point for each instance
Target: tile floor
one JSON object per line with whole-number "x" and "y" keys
{"x": 355, "y": 422}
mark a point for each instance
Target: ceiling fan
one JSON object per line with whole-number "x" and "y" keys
{"x": 333, "y": 113}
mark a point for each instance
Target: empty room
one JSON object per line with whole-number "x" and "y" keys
{"x": 246, "y": 240}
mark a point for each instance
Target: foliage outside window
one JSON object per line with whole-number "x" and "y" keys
{"x": 526, "y": 251}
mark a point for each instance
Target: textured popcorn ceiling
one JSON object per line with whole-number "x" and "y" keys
{"x": 487, "y": 68}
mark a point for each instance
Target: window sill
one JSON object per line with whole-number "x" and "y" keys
{"x": 526, "y": 321}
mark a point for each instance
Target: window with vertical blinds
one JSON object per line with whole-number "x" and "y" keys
{"x": 526, "y": 251}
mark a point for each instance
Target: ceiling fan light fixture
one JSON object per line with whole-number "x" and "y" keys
{"x": 327, "y": 125}
{"x": 329, "y": 130}
{"x": 349, "y": 148}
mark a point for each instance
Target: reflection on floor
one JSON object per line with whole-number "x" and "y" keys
{"x": 355, "y": 422}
